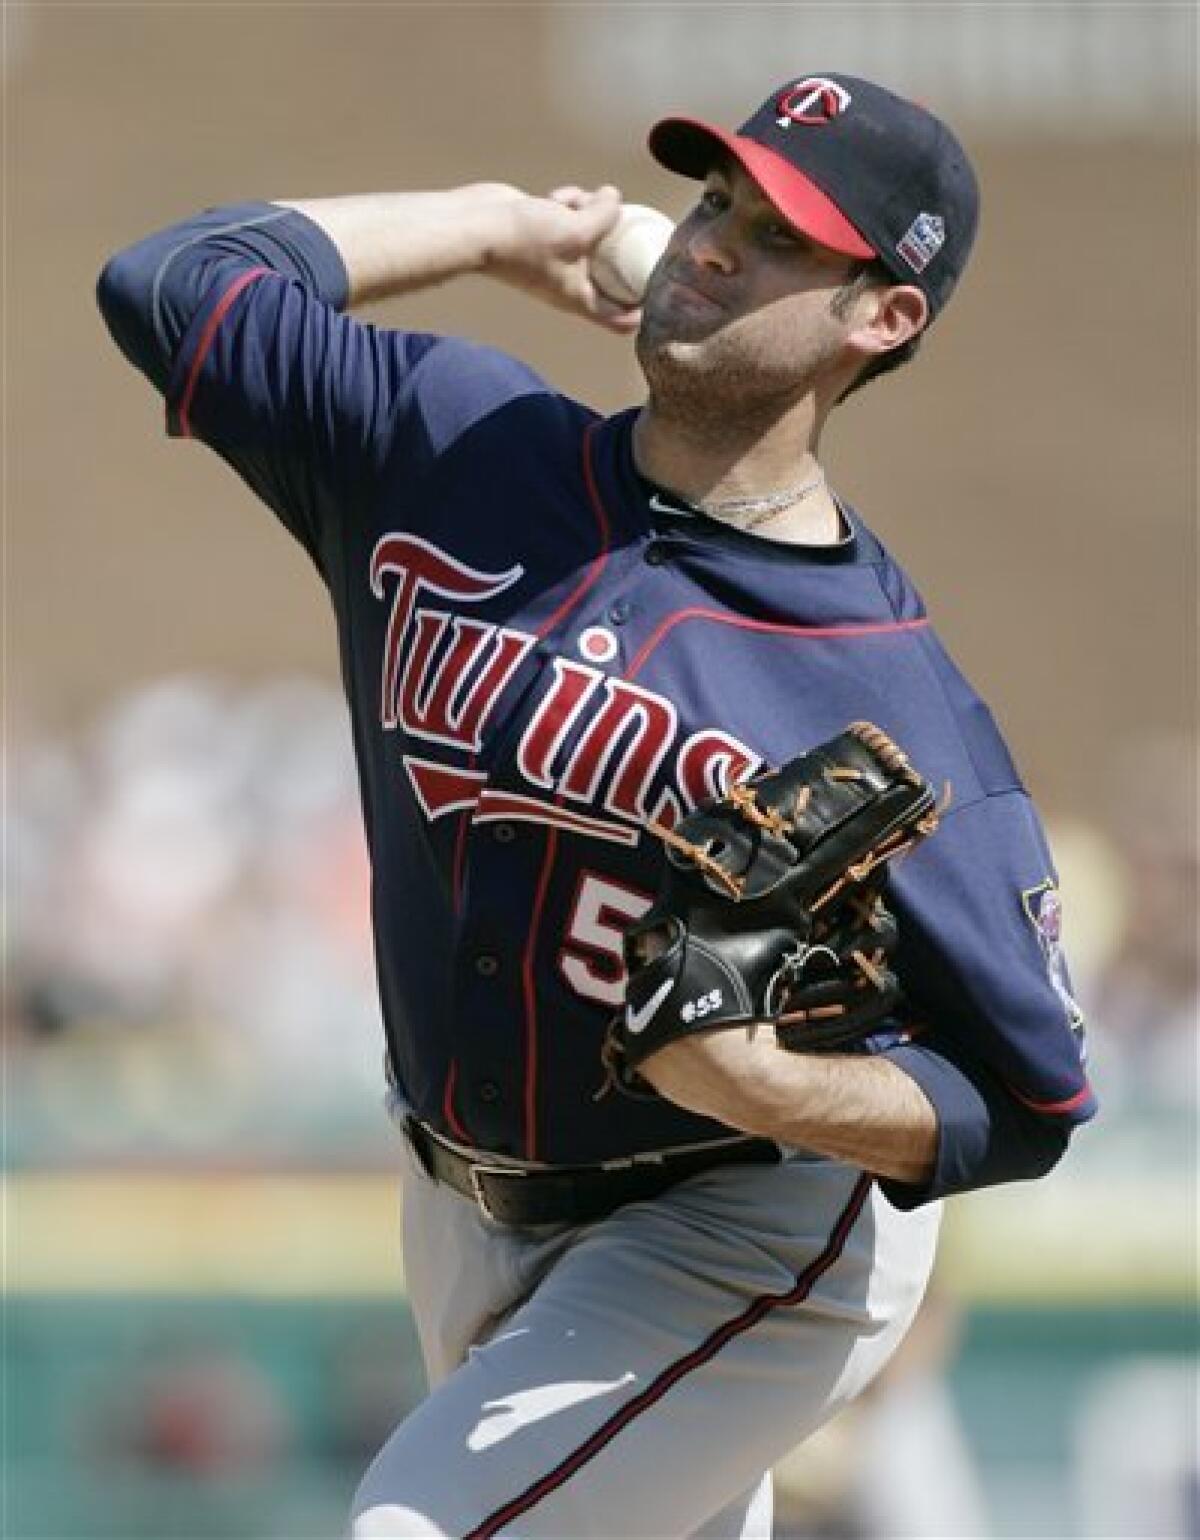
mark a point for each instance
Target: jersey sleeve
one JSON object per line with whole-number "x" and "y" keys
{"x": 237, "y": 318}
{"x": 998, "y": 1043}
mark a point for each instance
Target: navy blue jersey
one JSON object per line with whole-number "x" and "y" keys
{"x": 539, "y": 655}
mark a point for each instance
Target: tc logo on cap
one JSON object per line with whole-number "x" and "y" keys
{"x": 815, "y": 100}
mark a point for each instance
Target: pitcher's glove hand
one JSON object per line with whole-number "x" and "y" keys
{"x": 770, "y": 908}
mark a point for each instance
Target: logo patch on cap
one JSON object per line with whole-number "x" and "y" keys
{"x": 815, "y": 100}
{"x": 922, "y": 241}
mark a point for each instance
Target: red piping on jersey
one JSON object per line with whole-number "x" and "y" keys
{"x": 662, "y": 1383}
{"x": 529, "y": 990}
{"x": 596, "y": 567}
{"x": 528, "y": 986}
{"x": 460, "y": 846}
{"x": 206, "y": 342}
{"x": 460, "y": 849}
{"x": 778, "y": 628}
{"x": 448, "y": 1111}
{"x": 1068, "y": 1104}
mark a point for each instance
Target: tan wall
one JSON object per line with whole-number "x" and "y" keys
{"x": 1035, "y": 469}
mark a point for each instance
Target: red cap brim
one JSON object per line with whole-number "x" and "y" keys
{"x": 686, "y": 145}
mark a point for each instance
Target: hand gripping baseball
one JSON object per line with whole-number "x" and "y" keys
{"x": 770, "y": 907}
{"x": 548, "y": 247}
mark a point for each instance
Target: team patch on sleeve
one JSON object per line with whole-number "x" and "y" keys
{"x": 1043, "y": 906}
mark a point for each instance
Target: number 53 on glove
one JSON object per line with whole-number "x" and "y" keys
{"x": 770, "y": 907}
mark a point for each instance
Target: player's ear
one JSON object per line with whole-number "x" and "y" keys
{"x": 890, "y": 318}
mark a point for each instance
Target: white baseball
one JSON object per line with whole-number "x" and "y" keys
{"x": 623, "y": 261}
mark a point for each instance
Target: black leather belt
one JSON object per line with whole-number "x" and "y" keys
{"x": 572, "y": 1194}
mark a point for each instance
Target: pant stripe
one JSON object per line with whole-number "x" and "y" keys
{"x": 676, "y": 1371}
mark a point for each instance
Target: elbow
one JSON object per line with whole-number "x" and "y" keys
{"x": 1013, "y": 1147}
{"x": 1043, "y": 1145}
{"x": 995, "y": 1156}
{"x": 123, "y": 289}
{"x": 125, "y": 297}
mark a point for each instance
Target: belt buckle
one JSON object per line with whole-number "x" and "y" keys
{"x": 474, "y": 1172}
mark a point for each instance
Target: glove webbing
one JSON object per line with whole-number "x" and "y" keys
{"x": 744, "y": 798}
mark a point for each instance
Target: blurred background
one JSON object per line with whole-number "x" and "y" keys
{"x": 204, "y": 1326}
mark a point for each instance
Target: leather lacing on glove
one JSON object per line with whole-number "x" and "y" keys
{"x": 743, "y": 796}
{"x": 824, "y": 981}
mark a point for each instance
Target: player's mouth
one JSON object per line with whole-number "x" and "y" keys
{"x": 690, "y": 294}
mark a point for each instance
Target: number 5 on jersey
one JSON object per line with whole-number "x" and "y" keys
{"x": 591, "y": 959}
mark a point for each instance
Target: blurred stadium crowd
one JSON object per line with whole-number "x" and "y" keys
{"x": 190, "y": 952}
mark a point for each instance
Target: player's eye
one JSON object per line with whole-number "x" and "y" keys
{"x": 713, "y": 200}
{"x": 775, "y": 233}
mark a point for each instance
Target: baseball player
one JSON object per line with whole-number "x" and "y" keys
{"x": 555, "y": 630}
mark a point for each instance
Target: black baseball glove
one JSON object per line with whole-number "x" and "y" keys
{"x": 770, "y": 908}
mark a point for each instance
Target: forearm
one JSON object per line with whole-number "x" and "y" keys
{"x": 392, "y": 243}
{"x": 856, "y": 1108}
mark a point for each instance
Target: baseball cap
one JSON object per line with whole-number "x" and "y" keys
{"x": 855, "y": 167}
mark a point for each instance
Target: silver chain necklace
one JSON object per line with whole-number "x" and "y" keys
{"x": 761, "y": 509}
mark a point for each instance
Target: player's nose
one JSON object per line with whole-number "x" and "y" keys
{"x": 712, "y": 245}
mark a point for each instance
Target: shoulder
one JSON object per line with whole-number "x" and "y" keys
{"x": 974, "y": 724}
{"x": 902, "y": 594}
{"x": 459, "y": 386}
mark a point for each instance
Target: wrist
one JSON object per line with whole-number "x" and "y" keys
{"x": 513, "y": 243}
{"x": 488, "y": 209}
{"x": 721, "y": 1075}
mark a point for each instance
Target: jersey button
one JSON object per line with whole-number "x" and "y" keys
{"x": 504, "y": 834}
{"x": 618, "y": 613}
{"x": 489, "y": 1091}
{"x": 655, "y": 556}
{"x": 487, "y": 965}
